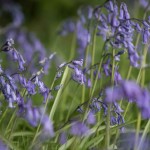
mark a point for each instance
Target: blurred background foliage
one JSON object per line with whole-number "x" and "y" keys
{"x": 44, "y": 16}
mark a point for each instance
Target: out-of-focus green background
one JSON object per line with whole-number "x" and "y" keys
{"x": 44, "y": 16}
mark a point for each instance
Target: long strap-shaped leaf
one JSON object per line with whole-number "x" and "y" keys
{"x": 57, "y": 99}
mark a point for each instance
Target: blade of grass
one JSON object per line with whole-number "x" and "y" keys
{"x": 57, "y": 99}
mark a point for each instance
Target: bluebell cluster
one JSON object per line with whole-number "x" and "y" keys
{"x": 22, "y": 78}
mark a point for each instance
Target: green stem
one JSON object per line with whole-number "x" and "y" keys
{"x": 11, "y": 120}
{"x": 146, "y": 129}
{"x": 84, "y": 65}
{"x": 109, "y": 105}
{"x": 93, "y": 55}
{"x": 57, "y": 99}
{"x": 4, "y": 114}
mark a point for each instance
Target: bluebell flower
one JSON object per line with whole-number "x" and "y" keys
{"x": 113, "y": 120}
{"x": 117, "y": 56}
{"x": 59, "y": 74}
{"x": 107, "y": 68}
{"x": 117, "y": 77}
{"x": 91, "y": 118}
{"x": 57, "y": 87}
{"x": 124, "y": 14}
{"x": 67, "y": 27}
{"x": 62, "y": 65}
{"x": 109, "y": 5}
{"x": 30, "y": 86}
{"x": 43, "y": 90}
{"x": 8, "y": 89}
{"x": 63, "y": 138}
{"x": 3, "y": 146}
{"x": 22, "y": 80}
{"x": 131, "y": 91}
{"x": 118, "y": 29}
{"x": 95, "y": 106}
{"x": 85, "y": 13}
{"x": 32, "y": 114}
{"x": 8, "y": 45}
{"x": 118, "y": 109}
{"x": 35, "y": 115}
{"x": 16, "y": 15}
{"x": 79, "y": 129}
{"x": 31, "y": 45}
{"x": 78, "y": 76}
{"x": 78, "y": 62}
{"x": 83, "y": 39}
{"x": 48, "y": 130}
{"x": 146, "y": 36}
{"x": 144, "y": 2}
{"x": 113, "y": 94}
{"x": 138, "y": 28}
{"x": 89, "y": 84}
{"x": 95, "y": 74}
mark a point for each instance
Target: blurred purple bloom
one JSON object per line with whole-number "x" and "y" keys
{"x": 57, "y": 87}
{"x": 8, "y": 45}
{"x": 62, "y": 65}
{"x": 83, "y": 39}
{"x": 146, "y": 36}
{"x": 42, "y": 89}
{"x": 117, "y": 56}
{"x": 30, "y": 87}
{"x": 78, "y": 76}
{"x": 118, "y": 109}
{"x": 79, "y": 129}
{"x": 106, "y": 68}
{"x": 143, "y": 103}
{"x": 91, "y": 118}
{"x": 113, "y": 120}
{"x": 32, "y": 48}
{"x": 21, "y": 62}
{"x": 109, "y": 5}
{"x": 16, "y": 13}
{"x": 137, "y": 27}
{"x": 96, "y": 73}
{"x": 78, "y": 62}
{"x": 119, "y": 30}
{"x": 124, "y": 14}
{"x": 117, "y": 77}
{"x": 18, "y": 58}
{"x": 89, "y": 84}
{"x": 133, "y": 55}
{"x": 32, "y": 114}
{"x": 95, "y": 106}
{"x": 85, "y": 14}
{"x": 47, "y": 127}
{"x": 35, "y": 115}
{"x": 144, "y": 2}
{"x": 22, "y": 80}
{"x": 59, "y": 74}
{"x": 113, "y": 94}
{"x": 3, "y": 146}
{"x": 114, "y": 22}
{"x": 63, "y": 138}
{"x": 67, "y": 27}
{"x": 8, "y": 89}
{"x": 131, "y": 91}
